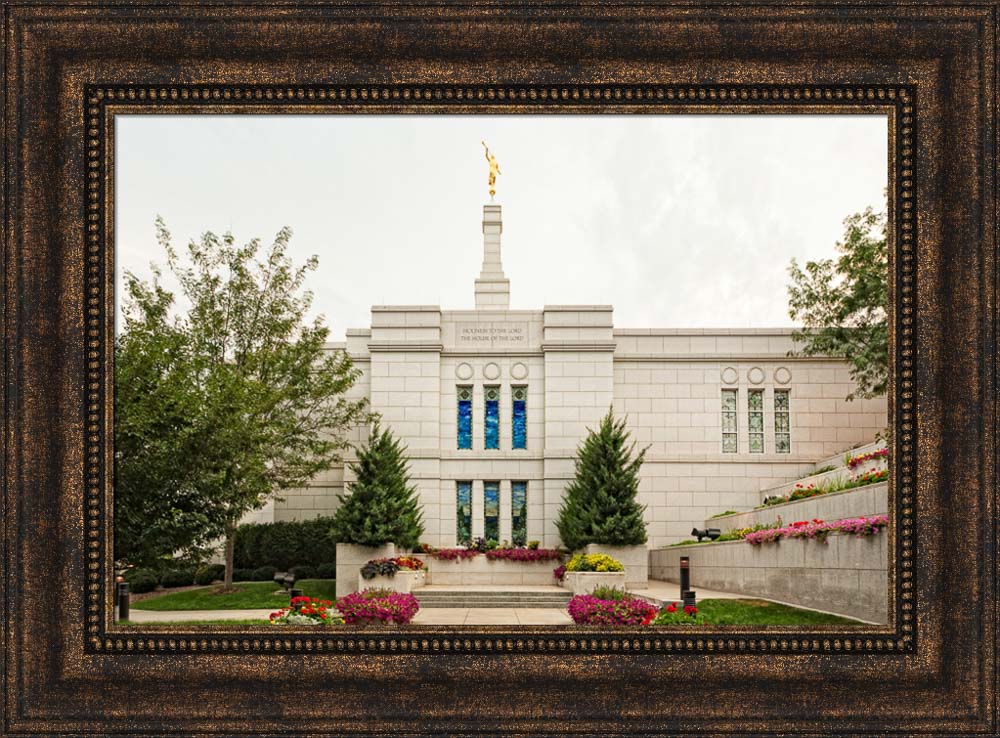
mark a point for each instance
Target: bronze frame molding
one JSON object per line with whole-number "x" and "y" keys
{"x": 69, "y": 66}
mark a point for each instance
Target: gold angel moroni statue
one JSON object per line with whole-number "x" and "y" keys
{"x": 494, "y": 169}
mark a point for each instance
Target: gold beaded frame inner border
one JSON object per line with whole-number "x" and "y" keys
{"x": 103, "y": 102}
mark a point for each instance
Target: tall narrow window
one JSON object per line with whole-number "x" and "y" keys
{"x": 463, "y": 513}
{"x": 519, "y": 513}
{"x": 465, "y": 416}
{"x": 782, "y": 426}
{"x": 729, "y": 443}
{"x": 492, "y": 394}
{"x": 755, "y": 418}
{"x": 519, "y": 417}
{"x": 491, "y": 511}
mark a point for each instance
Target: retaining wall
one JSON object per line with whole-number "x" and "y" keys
{"x": 853, "y": 503}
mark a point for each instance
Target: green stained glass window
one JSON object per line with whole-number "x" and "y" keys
{"x": 755, "y": 418}
{"x": 782, "y": 423}
{"x": 491, "y": 511}
{"x": 463, "y": 516}
{"x": 492, "y": 422}
{"x": 519, "y": 513}
{"x": 729, "y": 425}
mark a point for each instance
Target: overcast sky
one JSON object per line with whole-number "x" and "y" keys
{"x": 677, "y": 221}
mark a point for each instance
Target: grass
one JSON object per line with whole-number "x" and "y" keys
{"x": 762, "y": 612}
{"x": 247, "y": 596}
{"x": 183, "y": 623}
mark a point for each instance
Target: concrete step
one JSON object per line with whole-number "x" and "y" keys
{"x": 554, "y": 598}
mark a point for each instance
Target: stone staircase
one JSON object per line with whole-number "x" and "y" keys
{"x": 493, "y": 597}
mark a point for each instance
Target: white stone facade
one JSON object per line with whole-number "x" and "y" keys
{"x": 576, "y": 364}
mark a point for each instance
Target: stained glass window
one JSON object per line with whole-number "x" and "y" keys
{"x": 463, "y": 513}
{"x": 519, "y": 411}
{"x": 755, "y": 412}
{"x": 729, "y": 428}
{"x": 519, "y": 513}
{"x": 492, "y": 394}
{"x": 465, "y": 416}
{"x": 491, "y": 511}
{"x": 782, "y": 425}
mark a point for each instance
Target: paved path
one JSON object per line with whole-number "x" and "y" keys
{"x": 428, "y": 616}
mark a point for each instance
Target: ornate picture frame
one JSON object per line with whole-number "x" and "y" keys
{"x": 69, "y": 69}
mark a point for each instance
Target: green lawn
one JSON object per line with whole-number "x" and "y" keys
{"x": 249, "y": 596}
{"x": 761, "y": 612}
{"x": 182, "y": 623}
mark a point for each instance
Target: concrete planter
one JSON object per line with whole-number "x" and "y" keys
{"x": 635, "y": 559}
{"x": 481, "y": 570}
{"x": 350, "y": 559}
{"x": 404, "y": 581}
{"x": 871, "y": 499}
{"x": 585, "y": 582}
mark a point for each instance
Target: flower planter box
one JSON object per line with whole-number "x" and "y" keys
{"x": 404, "y": 581}
{"x": 480, "y": 570}
{"x": 635, "y": 559}
{"x": 350, "y": 558}
{"x": 585, "y": 582}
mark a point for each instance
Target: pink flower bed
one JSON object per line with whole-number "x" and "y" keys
{"x": 451, "y": 554}
{"x": 377, "y": 605}
{"x": 524, "y": 554}
{"x": 819, "y": 529}
{"x": 586, "y": 609}
{"x": 857, "y": 461}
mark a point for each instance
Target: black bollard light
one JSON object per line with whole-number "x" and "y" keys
{"x": 123, "y": 598}
{"x": 685, "y": 575}
{"x": 689, "y": 598}
{"x": 295, "y": 593}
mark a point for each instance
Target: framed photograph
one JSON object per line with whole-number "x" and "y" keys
{"x": 522, "y": 369}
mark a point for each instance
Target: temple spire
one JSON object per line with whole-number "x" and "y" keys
{"x": 492, "y": 287}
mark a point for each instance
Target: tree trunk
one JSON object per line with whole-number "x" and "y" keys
{"x": 227, "y": 582}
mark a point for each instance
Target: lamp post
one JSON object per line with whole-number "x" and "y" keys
{"x": 123, "y": 597}
{"x": 685, "y": 575}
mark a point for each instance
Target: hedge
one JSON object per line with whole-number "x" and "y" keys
{"x": 284, "y": 544}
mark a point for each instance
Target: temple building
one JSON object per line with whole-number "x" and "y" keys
{"x": 492, "y": 404}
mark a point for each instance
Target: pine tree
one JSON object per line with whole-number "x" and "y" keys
{"x": 600, "y": 503}
{"x": 381, "y": 507}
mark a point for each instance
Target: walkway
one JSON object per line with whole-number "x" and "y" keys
{"x": 428, "y": 616}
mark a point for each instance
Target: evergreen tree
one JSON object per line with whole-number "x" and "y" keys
{"x": 600, "y": 503}
{"x": 382, "y": 507}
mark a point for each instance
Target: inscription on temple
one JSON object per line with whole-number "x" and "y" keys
{"x": 491, "y": 335}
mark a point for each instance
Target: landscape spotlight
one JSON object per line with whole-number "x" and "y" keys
{"x": 710, "y": 533}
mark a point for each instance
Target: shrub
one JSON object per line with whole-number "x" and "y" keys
{"x": 177, "y": 578}
{"x": 818, "y": 529}
{"x": 524, "y": 554}
{"x": 284, "y": 544}
{"x": 141, "y": 580}
{"x": 587, "y": 609}
{"x": 600, "y": 504}
{"x": 382, "y": 506}
{"x": 615, "y": 594}
{"x": 210, "y": 573}
{"x": 326, "y": 571}
{"x": 306, "y": 611}
{"x": 378, "y": 605}
{"x": 263, "y": 574}
{"x": 243, "y": 575}
{"x": 379, "y": 568}
{"x": 303, "y": 571}
{"x": 594, "y": 562}
{"x": 533, "y": 545}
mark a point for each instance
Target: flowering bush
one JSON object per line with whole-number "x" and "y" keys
{"x": 819, "y": 530}
{"x": 674, "y": 615}
{"x": 856, "y": 461}
{"x": 837, "y": 485}
{"x": 594, "y": 562}
{"x": 451, "y": 554}
{"x": 387, "y": 567}
{"x": 524, "y": 554}
{"x": 559, "y": 572}
{"x": 378, "y": 605}
{"x": 306, "y": 611}
{"x": 586, "y": 609}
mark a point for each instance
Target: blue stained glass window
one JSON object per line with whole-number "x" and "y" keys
{"x": 519, "y": 513}
{"x": 492, "y": 395}
{"x": 519, "y": 410}
{"x": 491, "y": 511}
{"x": 465, "y": 417}
{"x": 463, "y": 516}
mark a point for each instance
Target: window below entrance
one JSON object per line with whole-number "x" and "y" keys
{"x": 463, "y": 516}
{"x": 491, "y": 511}
{"x": 519, "y": 513}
